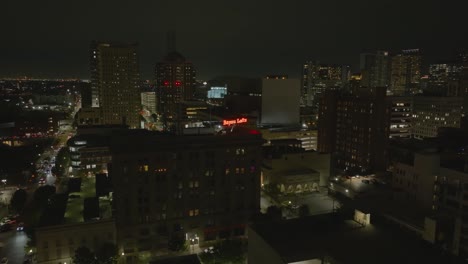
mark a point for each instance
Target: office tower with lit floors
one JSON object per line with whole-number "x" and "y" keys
{"x": 115, "y": 81}
{"x": 374, "y": 68}
{"x": 406, "y": 72}
{"x": 175, "y": 82}
{"x": 317, "y": 77}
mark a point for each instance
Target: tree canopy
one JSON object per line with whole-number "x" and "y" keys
{"x": 18, "y": 200}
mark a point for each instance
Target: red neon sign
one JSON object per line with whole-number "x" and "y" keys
{"x": 234, "y": 121}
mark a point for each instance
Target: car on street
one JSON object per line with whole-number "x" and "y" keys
{"x": 20, "y": 227}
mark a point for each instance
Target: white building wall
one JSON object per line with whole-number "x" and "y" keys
{"x": 280, "y": 101}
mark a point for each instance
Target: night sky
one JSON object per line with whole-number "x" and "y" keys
{"x": 50, "y": 38}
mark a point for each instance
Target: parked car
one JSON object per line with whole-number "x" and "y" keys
{"x": 6, "y": 227}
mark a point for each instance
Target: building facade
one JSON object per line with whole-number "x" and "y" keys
{"x": 441, "y": 190}
{"x": 201, "y": 187}
{"x": 148, "y": 102}
{"x": 318, "y": 77}
{"x": 432, "y": 113}
{"x": 115, "y": 81}
{"x": 354, "y": 127}
{"x": 375, "y": 69}
{"x": 175, "y": 82}
{"x": 280, "y": 101}
{"x": 400, "y": 114}
{"x": 57, "y": 244}
{"x": 406, "y": 72}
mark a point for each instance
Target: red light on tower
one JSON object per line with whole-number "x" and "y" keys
{"x": 177, "y": 83}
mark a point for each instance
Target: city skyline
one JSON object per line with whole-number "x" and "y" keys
{"x": 249, "y": 39}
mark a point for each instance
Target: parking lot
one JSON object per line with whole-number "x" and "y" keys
{"x": 353, "y": 186}
{"x": 317, "y": 203}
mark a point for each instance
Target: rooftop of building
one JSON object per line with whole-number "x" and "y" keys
{"x": 144, "y": 140}
{"x": 89, "y": 140}
{"x": 451, "y": 145}
{"x": 113, "y": 44}
{"x": 100, "y": 129}
{"x": 296, "y": 171}
{"x": 68, "y": 226}
{"x": 345, "y": 241}
{"x": 187, "y": 259}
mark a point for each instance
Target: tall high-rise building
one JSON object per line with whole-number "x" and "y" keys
{"x": 115, "y": 81}
{"x": 175, "y": 82}
{"x": 148, "y": 101}
{"x": 354, "y": 127}
{"x": 375, "y": 69}
{"x": 317, "y": 77}
{"x": 406, "y": 72}
{"x": 444, "y": 78}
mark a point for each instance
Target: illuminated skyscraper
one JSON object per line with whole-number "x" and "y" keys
{"x": 444, "y": 78}
{"x": 316, "y": 78}
{"x": 406, "y": 72}
{"x": 374, "y": 69}
{"x": 175, "y": 81}
{"x": 115, "y": 82}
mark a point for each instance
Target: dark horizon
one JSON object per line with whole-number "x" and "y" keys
{"x": 52, "y": 39}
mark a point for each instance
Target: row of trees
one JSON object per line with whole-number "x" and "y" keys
{"x": 106, "y": 254}
{"x": 62, "y": 162}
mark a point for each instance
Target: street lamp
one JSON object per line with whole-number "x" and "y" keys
{"x": 192, "y": 243}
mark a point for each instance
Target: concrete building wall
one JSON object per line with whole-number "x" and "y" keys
{"x": 416, "y": 182}
{"x": 57, "y": 244}
{"x": 308, "y": 160}
{"x": 280, "y": 101}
